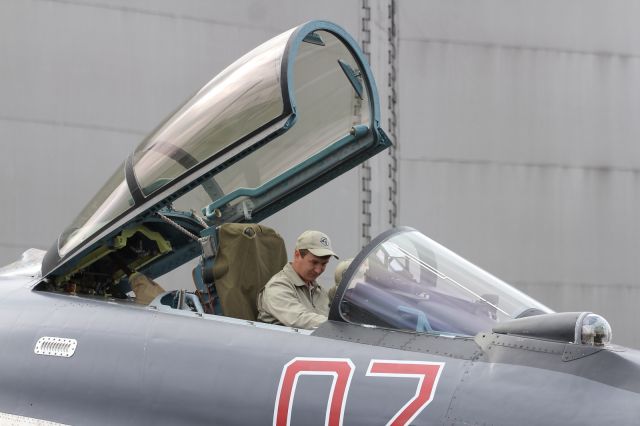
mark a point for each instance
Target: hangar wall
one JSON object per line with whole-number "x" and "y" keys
{"x": 518, "y": 144}
{"x": 513, "y": 121}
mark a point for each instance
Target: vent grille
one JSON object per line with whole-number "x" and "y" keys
{"x": 56, "y": 346}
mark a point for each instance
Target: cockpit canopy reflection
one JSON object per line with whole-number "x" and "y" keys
{"x": 407, "y": 281}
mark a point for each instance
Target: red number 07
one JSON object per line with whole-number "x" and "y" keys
{"x": 427, "y": 373}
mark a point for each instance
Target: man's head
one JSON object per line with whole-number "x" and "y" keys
{"x": 313, "y": 251}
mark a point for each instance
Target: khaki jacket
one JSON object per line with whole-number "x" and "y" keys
{"x": 287, "y": 300}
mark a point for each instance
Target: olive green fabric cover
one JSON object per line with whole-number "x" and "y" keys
{"x": 145, "y": 289}
{"x": 248, "y": 256}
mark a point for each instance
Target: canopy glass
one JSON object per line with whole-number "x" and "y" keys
{"x": 293, "y": 109}
{"x": 406, "y": 281}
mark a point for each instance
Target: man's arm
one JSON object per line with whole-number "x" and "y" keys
{"x": 281, "y": 301}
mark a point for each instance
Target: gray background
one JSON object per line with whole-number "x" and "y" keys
{"x": 514, "y": 123}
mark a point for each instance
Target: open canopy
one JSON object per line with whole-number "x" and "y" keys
{"x": 284, "y": 119}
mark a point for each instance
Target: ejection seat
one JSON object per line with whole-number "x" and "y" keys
{"x": 247, "y": 256}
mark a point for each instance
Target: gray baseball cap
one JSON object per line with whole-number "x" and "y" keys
{"x": 316, "y": 242}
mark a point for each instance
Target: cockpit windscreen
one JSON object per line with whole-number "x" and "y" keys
{"x": 410, "y": 282}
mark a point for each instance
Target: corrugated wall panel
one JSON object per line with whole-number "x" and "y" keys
{"x": 519, "y": 105}
{"x": 579, "y": 25}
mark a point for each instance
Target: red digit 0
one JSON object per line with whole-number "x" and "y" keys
{"x": 340, "y": 368}
{"x": 427, "y": 373}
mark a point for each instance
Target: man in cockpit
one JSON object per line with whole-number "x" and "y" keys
{"x": 292, "y": 297}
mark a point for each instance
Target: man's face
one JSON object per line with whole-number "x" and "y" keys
{"x": 309, "y": 267}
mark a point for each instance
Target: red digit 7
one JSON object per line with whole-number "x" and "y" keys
{"x": 427, "y": 373}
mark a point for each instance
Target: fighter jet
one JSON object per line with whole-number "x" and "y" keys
{"x": 416, "y": 334}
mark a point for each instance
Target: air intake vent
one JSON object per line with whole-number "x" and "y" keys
{"x": 56, "y": 346}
